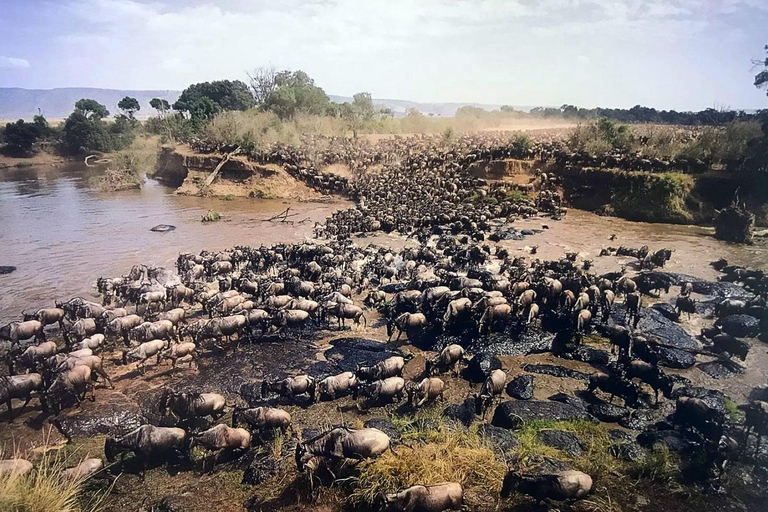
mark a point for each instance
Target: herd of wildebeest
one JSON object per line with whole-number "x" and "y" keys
{"x": 454, "y": 282}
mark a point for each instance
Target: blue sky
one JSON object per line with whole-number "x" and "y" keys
{"x": 682, "y": 54}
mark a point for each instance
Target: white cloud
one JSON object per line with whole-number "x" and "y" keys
{"x": 583, "y": 59}
{"x": 13, "y": 62}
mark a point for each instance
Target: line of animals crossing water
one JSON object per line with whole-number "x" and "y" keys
{"x": 455, "y": 294}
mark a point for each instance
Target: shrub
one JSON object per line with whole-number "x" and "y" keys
{"x": 20, "y": 137}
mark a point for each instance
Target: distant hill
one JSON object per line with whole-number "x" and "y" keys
{"x": 16, "y": 103}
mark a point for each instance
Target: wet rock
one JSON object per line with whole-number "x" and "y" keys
{"x": 263, "y": 467}
{"x": 530, "y": 341}
{"x": 633, "y": 423}
{"x": 310, "y": 433}
{"x": 629, "y": 452}
{"x": 562, "y": 440}
{"x": 741, "y": 326}
{"x": 716, "y": 370}
{"x": 714, "y": 398}
{"x": 521, "y": 387}
{"x": 591, "y": 355}
{"x": 512, "y": 414}
{"x": 675, "y": 441}
{"x": 654, "y": 322}
{"x": 607, "y": 412}
{"x": 502, "y": 440}
{"x": 555, "y": 371}
{"x": 348, "y": 353}
{"x": 385, "y": 426}
{"x": 6, "y": 269}
{"x": 113, "y": 414}
{"x": 622, "y": 436}
{"x": 547, "y": 465}
{"x": 163, "y": 228}
{"x": 463, "y": 413}
{"x": 571, "y": 400}
{"x": 480, "y": 366}
{"x": 669, "y": 357}
{"x": 394, "y": 287}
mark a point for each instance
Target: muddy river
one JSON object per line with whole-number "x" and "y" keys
{"x": 61, "y": 234}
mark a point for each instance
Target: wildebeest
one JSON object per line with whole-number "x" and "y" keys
{"x": 429, "y": 389}
{"x": 74, "y": 382}
{"x": 91, "y": 361}
{"x": 633, "y": 303}
{"x": 343, "y": 312}
{"x": 34, "y": 354}
{"x": 186, "y": 406}
{"x": 697, "y": 414}
{"x": 447, "y": 359}
{"x": 651, "y": 375}
{"x": 425, "y": 498}
{"x": 20, "y": 331}
{"x": 755, "y": 417}
{"x": 343, "y": 443}
{"x": 337, "y": 386}
{"x": 84, "y": 470}
{"x": 122, "y": 326}
{"x": 149, "y": 331}
{"x": 263, "y": 418}
{"x": 390, "y": 367}
{"x": 93, "y": 342}
{"x": 47, "y": 316}
{"x": 15, "y": 467}
{"x": 80, "y": 329}
{"x": 179, "y": 350}
{"x": 222, "y": 438}
{"x": 148, "y": 443}
{"x": 582, "y": 320}
{"x": 291, "y": 387}
{"x": 404, "y": 323}
{"x": 685, "y": 305}
{"x": 144, "y": 352}
{"x": 19, "y": 387}
{"x": 615, "y": 385}
{"x": 566, "y": 485}
{"x": 492, "y": 387}
{"x": 725, "y": 343}
{"x": 493, "y": 316}
{"x": 382, "y": 391}
{"x": 150, "y": 299}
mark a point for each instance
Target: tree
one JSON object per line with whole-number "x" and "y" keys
{"x": 20, "y": 137}
{"x": 202, "y": 101}
{"x": 761, "y": 79}
{"x": 263, "y": 81}
{"x": 162, "y": 106}
{"x": 359, "y": 112}
{"x": 295, "y": 92}
{"x": 83, "y": 134}
{"x": 129, "y": 106}
{"x": 91, "y": 109}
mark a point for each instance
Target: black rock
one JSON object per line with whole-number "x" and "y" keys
{"x": 717, "y": 370}
{"x": 6, "y": 269}
{"x": 521, "y": 387}
{"x": 555, "y": 371}
{"x": 675, "y": 441}
{"x": 394, "y": 287}
{"x": 562, "y": 440}
{"x": 512, "y": 414}
{"x": 114, "y": 414}
{"x": 591, "y": 355}
{"x": 617, "y": 434}
{"x": 262, "y": 467}
{"x": 502, "y": 440}
{"x": 741, "y": 326}
{"x": 629, "y": 452}
{"x": 163, "y": 228}
{"x": 480, "y": 366}
{"x": 654, "y": 322}
{"x": 530, "y": 341}
{"x": 606, "y": 412}
{"x": 675, "y": 358}
{"x": 348, "y": 353}
{"x": 385, "y": 426}
{"x": 565, "y": 398}
{"x": 463, "y": 413}
{"x": 633, "y": 423}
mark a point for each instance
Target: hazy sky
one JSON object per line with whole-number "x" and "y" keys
{"x": 682, "y": 54}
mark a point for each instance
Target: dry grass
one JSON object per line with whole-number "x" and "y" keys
{"x": 43, "y": 489}
{"x": 433, "y": 453}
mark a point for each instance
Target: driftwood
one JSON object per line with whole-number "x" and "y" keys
{"x": 284, "y": 215}
{"x": 215, "y": 172}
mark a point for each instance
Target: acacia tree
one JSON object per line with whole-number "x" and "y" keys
{"x": 204, "y": 100}
{"x": 295, "y": 92}
{"x": 162, "y": 106}
{"x": 91, "y": 109}
{"x": 129, "y": 106}
{"x": 263, "y": 81}
{"x": 359, "y": 112}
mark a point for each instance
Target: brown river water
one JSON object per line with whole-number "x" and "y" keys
{"x": 62, "y": 235}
